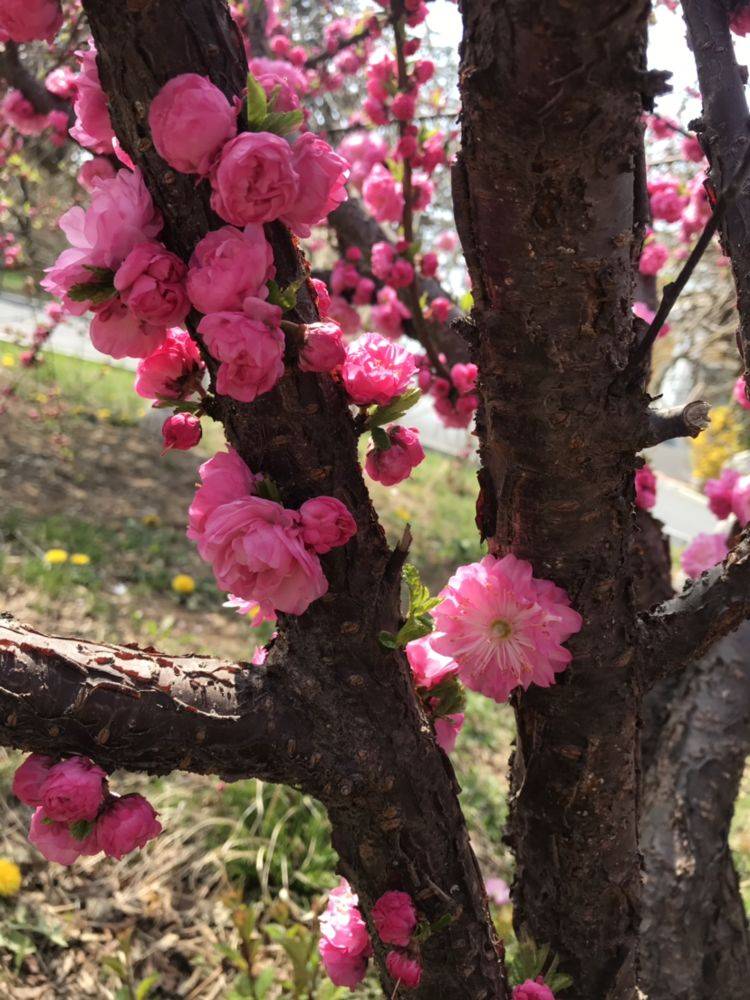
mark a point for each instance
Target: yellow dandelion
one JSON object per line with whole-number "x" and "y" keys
{"x": 103, "y": 413}
{"x": 10, "y": 877}
{"x": 80, "y": 559}
{"x": 402, "y": 513}
{"x": 42, "y": 397}
{"x": 55, "y": 557}
{"x": 183, "y": 584}
{"x": 150, "y": 520}
{"x": 9, "y": 361}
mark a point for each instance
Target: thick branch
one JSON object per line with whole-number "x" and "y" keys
{"x": 684, "y": 628}
{"x": 678, "y": 422}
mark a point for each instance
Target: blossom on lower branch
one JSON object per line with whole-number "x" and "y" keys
{"x": 504, "y": 627}
{"x": 533, "y": 989}
{"x": 76, "y": 814}
{"x": 259, "y": 550}
{"x": 344, "y": 944}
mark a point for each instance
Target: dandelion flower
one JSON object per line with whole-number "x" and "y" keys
{"x": 183, "y": 584}
{"x": 10, "y": 877}
{"x": 55, "y": 557}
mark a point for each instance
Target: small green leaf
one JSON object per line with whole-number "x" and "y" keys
{"x": 382, "y": 415}
{"x": 257, "y": 103}
{"x": 388, "y": 640}
{"x": 283, "y": 122}
{"x": 380, "y": 439}
{"x": 144, "y": 988}
{"x": 116, "y": 965}
{"x": 268, "y": 490}
{"x": 80, "y": 829}
{"x": 93, "y": 292}
{"x": 286, "y": 298}
{"x": 103, "y": 275}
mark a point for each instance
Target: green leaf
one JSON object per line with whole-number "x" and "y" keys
{"x": 103, "y": 275}
{"x": 286, "y": 298}
{"x": 446, "y": 698}
{"x": 268, "y": 490}
{"x": 93, "y": 292}
{"x": 144, "y": 988}
{"x": 388, "y": 640}
{"x": 283, "y": 122}
{"x": 116, "y": 965}
{"x": 380, "y": 439}
{"x": 257, "y": 103}
{"x": 80, "y": 829}
{"x": 382, "y": 415}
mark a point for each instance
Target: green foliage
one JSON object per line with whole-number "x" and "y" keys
{"x": 121, "y": 966}
{"x": 418, "y": 618}
{"x": 528, "y": 961}
{"x": 257, "y": 103}
{"x": 379, "y": 416}
{"x": 261, "y": 116}
{"x": 20, "y": 931}
{"x": 286, "y": 298}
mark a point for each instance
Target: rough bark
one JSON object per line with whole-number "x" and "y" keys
{"x": 390, "y": 792}
{"x": 547, "y": 202}
{"x": 695, "y": 943}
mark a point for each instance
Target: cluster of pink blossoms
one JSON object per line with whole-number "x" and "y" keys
{"x": 728, "y": 496}
{"x": 345, "y": 945}
{"x": 645, "y": 487}
{"x": 260, "y": 551}
{"x": 76, "y": 814}
{"x": 504, "y": 627}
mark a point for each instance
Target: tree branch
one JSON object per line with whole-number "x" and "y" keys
{"x": 13, "y": 71}
{"x": 684, "y": 628}
{"x": 677, "y": 422}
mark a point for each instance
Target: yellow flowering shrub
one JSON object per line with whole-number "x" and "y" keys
{"x": 712, "y": 449}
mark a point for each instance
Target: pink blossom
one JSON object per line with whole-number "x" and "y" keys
{"x": 392, "y": 465}
{"x": 224, "y": 478}
{"x": 389, "y": 314}
{"x": 285, "y": 97}
{"x": 21, "y": 114}
{"x": 692, "y": 149}
{"x": 344, "y": 314}
{"x": 322, "y": 176}
{"x": 250, "y": 351}
{"x": 93, "y": 171}
{"x": 325, "y": 524}
{"x": 428, "y": 265}
{"x": 29, "y": 20}
{"x": 661, "y": 127}
{"x": 741, "y": 500}
{"x": 73, "y": 790}
{"x": 61, "y": 82}
{"x": 402, "y": 274}
{"x": 404, "y": 969}
{"x": 69, "y": 270}
{"x": 29, "y": 777}
{"x": 503, "y": 627}
{"x": 282, "y": 70}
{"x": 446, "y": 241}
{"x": 645, "y": 487}
{"x": 344, "y": 942}
{"x": 429, "y": 668}
{"x": 363, "y": 151}
{"x": 666, "y": 201}
{"x": 125, "y": 825}
{"x": 653, "y": 258}
{"x": 116, "y": 331}
{"x": 227, "y": 265}
{"x": 254, "y": 179}
{"x": 382, "y": 257}
{"x": 93, "y": 126}
{"x": 440, "y": 309}
{"x": 344, "y": 276}
{"x": 383, "y": 196}
{"x": 458, "y": 412}
{"x": 719, "y": 492}
{"x": 322, "y": 295}
{"x": 464, "y": 377}
{"x": 404, "y": 106}
{"x": 324, "y": 349}
{"x": 151, "y": 283}
{"x": 703, "y": 553}
{"x": 642, "y": 311}
{"x": 422, "y": 190}
{"x": 53, "y": 839}
{"x": 395, "y": 918}
{"x": 533, "y": 990}
{"x": 739, "y": 394}
{"x": 498, "y": 891}
{"x": 364, "y": 292}
{"x": 172, "y": 371}
{"x": 181, "y": 431}
{"x": 376, "y": 370}
{"x": 739, "y": 21}
{"x": 190, "y": 120}
{"x": 447, "y": 729}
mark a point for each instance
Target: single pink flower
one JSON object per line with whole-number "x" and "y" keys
{"x": 739, "y": 21}
{"x": 504, "y": 627}
{"x": 324, "y": 348}
{"x": 53, "y": 839}
{"x": 116, "y": 331}
{"x": 228, "y": 265}
{"x": 29, "y": 777}
{"x": 719, "y": 492}
{"x": 376, "y": 370}
{"x": 703, "y": 553}
{"x": 190, "y": 121}
{"x": 739, "y": 394}
{"x": 251, "y": 353}
{"x": 224, "y": 478}
{"x": 323, "y": 296}
{"x": 533, "y": 990}
{"x": 642, "y": 311}
{"x": 322, "y": 178}
{"x": 73, "y": 790}
{"x": 151, "y": 283}
{"x": 93, "y": 171}
{"x": 29, "y": 20}
{"x": 392, "y": 465}
{"x": 181, "y": 431}
{"x": 173, "y": 371}
{"x": 447, "y": 728}
{"x": 667, "y": 202}
{"x": 62, "y": 82}
{"x": 344, "y": 944}
{"x": 382, "y": 257}
{"x": 404, "y": 106}
{"x": 254, "y": 179}
{"x": 401, "y": 274}
{"x": 428, "y": 264}
{"x": 464, "y": 377}
{"x": 692, "y": 149}
{"x": 429, "y": 668}
{"x": 126, "y": 824}
{"x": 498, "y": 891}
{"x": 741, "y": 500}
{"x": 93, "y": 126}
{"x": 21, "y": 114}
{"x": 404, "y": 969}
{"x": 395, "y": 918}
{"x": 645, "y": 487}
{"x": 325, "y": 524}
{"x": 653, "y": 258}
{"x": 382, "y": 195}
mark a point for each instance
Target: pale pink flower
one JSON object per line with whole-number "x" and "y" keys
{"x": 503, "y": 627}
{"x": 61, "y": 82}
{"x": 429, "y": 668}
{"x": 645, "y": 487}
{"x": 440, "y": 309}
{"x": 741, "y": 500}
{"x": 93, "y": 171}
{"x": 363, "y": 151}
{"x": 719, "y": 492}
{"x": 151, "y": 283}
{"x": 395, "y": 918}
{"x": 21, "y": 114}
{"x": 739, "y": 393}
{"x": 73, "y": 790}
{"x": 251, "y": 353}
{"x": 392, "y": 465}
{"x": 53, "y": 839}
{"x": 703, "y": 553}
{"x": 69, "y": 270}
{"x": 116, "y": 331}
{"x": 344, "y": 944}
{"x": 190, "y": 121}
{"x": 404, "y": 969}
{"x": 382, "y": 195}
{"x": 281, "y": 70}
{"x": 533, "y": 990}
{"x": 224, "y": 478}
{"x": 228, "y": 265}
{"x": 653, "y": 258}
{"x": 447, "y": 729}
{"x": 322, "y": 178}
{"x": 126, "y": 824}
{"x": 325, "y": 524}
{"x": 498, "y": 891}
{"x": 29, "y": 777}
{"x": 29, "y": 20}
{"x": 446, "y": 241}
{"x": 382, "y": 257}
{"x": 254, "y": 179}
{"x": 464, "y": 377}
{"x": 323, "y": 349}
{"x": 344, "y": 314}
{"x": 181, "y": 431}
{"x": 376, "y": 370}
{"x": 172, "y": 371}
{"x": 93, "y": 126}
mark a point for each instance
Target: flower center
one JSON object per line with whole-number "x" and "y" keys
{"x": 501, "y": 629}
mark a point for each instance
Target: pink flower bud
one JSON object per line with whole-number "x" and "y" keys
{"x": 326, "y": 524}
{"x": 645, "y": 488}
{"x": 429, "y": 264}
{"x": 190, "y": 120}
{"x": 172, "y": 371}
{"x": 181, "y": 431}
{"x": 402, "y": 968}
{"x": 29, "y": 777}
{"x": 125, "y": 825}
{"x": 402, "y": 274}
{"x": 440, "y": 309}
{"x": 73, "y": 790}
{"x": 324, "y": 348}
{"x": 394, "y": 464}
{"x": 395, "y": 918}
{"x": 53, "y": 839}
{"x": 533, "y": 989}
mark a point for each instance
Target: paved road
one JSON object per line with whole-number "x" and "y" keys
{"x": 682, "y": 509}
